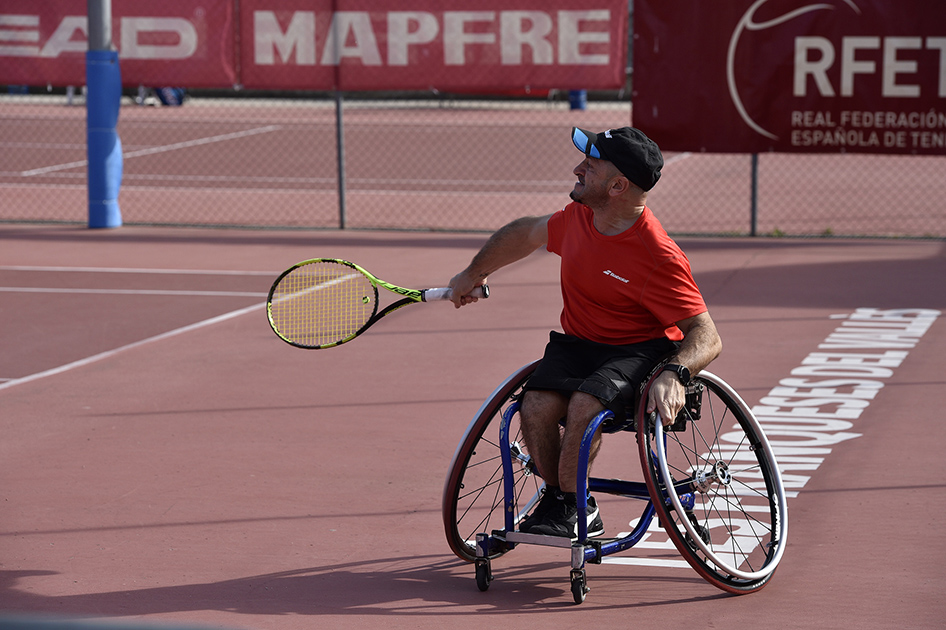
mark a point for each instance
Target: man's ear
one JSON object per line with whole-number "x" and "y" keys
{"x": 619, "y": 186}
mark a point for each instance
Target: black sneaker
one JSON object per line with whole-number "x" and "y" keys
{"x": 562, "y": 518}
{"x": 541, "y": 509}
{"x": 595, "y": 524}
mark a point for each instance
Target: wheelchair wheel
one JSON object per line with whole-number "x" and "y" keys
{"x": 473, "y": 492}
{"x": 727, "y": 514}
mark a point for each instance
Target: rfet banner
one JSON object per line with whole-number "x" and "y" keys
{"x": 792, "y": 75}
{"x": 471, "y": 45}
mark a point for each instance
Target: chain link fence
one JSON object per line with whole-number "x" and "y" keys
{"x": 426, "y": 162}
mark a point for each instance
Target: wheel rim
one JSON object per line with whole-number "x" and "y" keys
{"x": 473, "y": 494}
{"x": 723, "y": 475}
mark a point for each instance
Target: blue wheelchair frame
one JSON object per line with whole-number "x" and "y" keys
{"x": 738, "y": 467}
{"x": 583, "y": 550}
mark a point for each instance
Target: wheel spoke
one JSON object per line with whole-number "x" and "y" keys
{"x": 474, "y": 494}
{"x": 733, "y": 534}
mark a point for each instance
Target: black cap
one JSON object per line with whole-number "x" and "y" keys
{"x": 634, "y": 154}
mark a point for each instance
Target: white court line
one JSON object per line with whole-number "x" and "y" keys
{"x": 161, "y": 149}
{"x": 131, "y": 292}
{"x": 316, "y": 287}
{"x": 141, "y": 181}
{"x": 110, "y": 353}
{"x": 678, "y": 158}
{"x": 41, "y": 145}
{"x": 199, "y": 272}
{"x": 648, "y": 562}
{"x": 353, "y": 180}
{"x": 304, "y": 191}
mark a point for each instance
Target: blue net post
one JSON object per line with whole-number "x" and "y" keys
{"x": 103, "y": 100}
{"x": 578, "y": 99}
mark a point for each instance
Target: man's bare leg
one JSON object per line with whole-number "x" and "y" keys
{"x": 539, "y": 416}
{"x": 582, "y": 408}
{"x": 556, "y": 457}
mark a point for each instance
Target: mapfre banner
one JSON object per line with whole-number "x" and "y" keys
{"x": 422, "y": 44}
{"x": 792, "y": 75}
{"x": 469, "y": 45}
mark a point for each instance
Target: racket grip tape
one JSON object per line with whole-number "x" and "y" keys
{"x": 431, "y": 295}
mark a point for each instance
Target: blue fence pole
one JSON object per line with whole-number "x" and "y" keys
{"x": 103, "y": 99}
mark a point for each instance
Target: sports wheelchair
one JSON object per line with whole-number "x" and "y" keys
{"x": 710, "y": 479}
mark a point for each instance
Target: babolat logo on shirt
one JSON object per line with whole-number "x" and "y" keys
{"x": 608, "y": 272}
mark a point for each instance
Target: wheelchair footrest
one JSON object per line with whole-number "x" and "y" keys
{"x": 539, "y": 539}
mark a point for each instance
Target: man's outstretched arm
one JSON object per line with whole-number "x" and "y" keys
{"x": 514, "y": 241}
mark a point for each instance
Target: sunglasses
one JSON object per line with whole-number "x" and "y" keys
{"x": 583, "y": 142}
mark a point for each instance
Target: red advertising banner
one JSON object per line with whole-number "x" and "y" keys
{"x": 791, "y": 75}
{"x": 168, "y": 43}
{"x": 472, "y": 45}
{"x": 423, "y": 44}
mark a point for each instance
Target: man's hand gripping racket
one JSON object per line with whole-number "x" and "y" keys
{"x": 325, "y": 302}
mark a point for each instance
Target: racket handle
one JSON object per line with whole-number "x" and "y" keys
{"x": 431, "y": 295}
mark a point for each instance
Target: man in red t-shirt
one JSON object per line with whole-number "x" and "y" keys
{"x": 629, "y": 300}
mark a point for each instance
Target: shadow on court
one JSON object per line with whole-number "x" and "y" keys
{"x": 422, "y": 586}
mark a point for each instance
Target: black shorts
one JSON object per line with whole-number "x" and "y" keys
{"x": 612, "y": 374}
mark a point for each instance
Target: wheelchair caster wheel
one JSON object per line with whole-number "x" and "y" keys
{"x": 703, "y": 533}
{"x": 579, "y": 585}
{"x": 483, "y": 575}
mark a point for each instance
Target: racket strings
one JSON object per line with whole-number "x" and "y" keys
{"x": 322, "y": 303}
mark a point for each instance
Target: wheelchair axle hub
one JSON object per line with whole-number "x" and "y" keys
{"x": 703, "y": 480}
{"x": 516, "y": 452}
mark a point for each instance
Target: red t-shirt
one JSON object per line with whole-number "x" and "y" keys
{"x": 621, "y": 289}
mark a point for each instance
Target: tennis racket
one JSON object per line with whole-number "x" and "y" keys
{"x": 325, "y": 302}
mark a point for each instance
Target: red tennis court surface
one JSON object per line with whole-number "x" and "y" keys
{"x": 165, "y": 459}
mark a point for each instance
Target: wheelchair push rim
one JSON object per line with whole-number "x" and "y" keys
{"x": 725, "y": 480}
{"x": 473, "y": 500}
